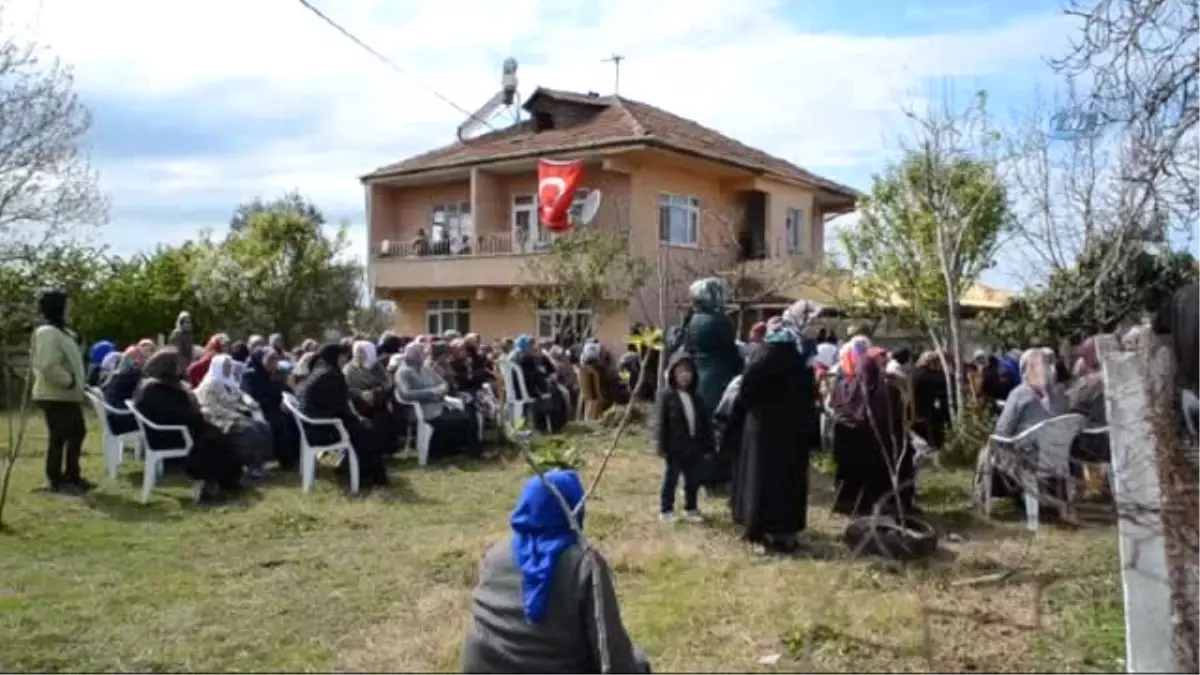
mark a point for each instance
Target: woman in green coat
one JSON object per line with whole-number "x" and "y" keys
{"x": 58, "y": 389}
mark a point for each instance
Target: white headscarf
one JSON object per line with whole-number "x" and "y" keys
{"x": 110, "y": 361}
{"x": 216, "y": 376}
{"x": 364, "y": 353}
{"x": 827, "y": 355}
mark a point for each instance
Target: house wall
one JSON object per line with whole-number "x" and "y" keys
{"x": 496, "y": 313}
{"x": 397, "y": 213}
{"x": 781, "y": 197}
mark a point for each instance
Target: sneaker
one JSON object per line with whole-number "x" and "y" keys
{"x": 693, "y": 517}
{"x": 666, "y": 517}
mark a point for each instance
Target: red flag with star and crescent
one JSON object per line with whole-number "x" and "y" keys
{"x": 557, "y": 183}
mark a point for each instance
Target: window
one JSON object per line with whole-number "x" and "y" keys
{"x": 527, "y": 229}
{"x": 795, "y": 230}
{"x": 678, "y": 219}
{"x": 450, "y": 221}
{"x": 444, "y": 315}
{"x": 552, "y": 322}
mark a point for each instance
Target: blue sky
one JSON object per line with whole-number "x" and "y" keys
{"x": 200, "y": 106}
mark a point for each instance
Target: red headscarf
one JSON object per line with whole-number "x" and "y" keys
{"x": 216, "y": 345}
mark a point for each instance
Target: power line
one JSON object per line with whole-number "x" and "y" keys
{"x": 392, "y": 64}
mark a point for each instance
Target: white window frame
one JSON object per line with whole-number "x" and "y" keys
{"x": 794, "y": 230}
{"x": 557, "y": 317}
{"x": 449, "y": 221}
{"x": 448, "y": 315}
{"x": 689, "y": 206}
{"x": 539, "y": 236}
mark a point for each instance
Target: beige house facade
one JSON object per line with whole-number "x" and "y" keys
{"x": 451, "y": 231}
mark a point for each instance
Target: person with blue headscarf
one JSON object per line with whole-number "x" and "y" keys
{"x": 96, "y": 355}
{"x": 769, "y": 497}
{"x": 535, "y": 607}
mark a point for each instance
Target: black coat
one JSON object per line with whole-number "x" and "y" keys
{"x": 673, "y": 439}
{"x": 324, "y": 395}
{"x": 171, "y": 406}
{"x": 263, "y": 387}
{"x": 119, "y": 388}
{"x": 770, "y": 486}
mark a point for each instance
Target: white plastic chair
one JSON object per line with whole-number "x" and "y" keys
{"x": 1043, "y": 450}
{"x": 309, "y": 454}
{"x": 113, "y": 445}
{"x": 152, "y": 468}
{"x": 516, "y": 404}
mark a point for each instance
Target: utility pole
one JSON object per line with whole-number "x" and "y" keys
{"x": 616, "y": 60}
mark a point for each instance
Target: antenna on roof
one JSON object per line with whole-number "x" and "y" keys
{"x": 616, "y": 60}
{"x": 505, "y": 99}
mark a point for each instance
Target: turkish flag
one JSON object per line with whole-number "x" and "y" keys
{"x": 557, "y": 183}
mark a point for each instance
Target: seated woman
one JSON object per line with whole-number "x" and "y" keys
{"x": 162, "y": 398}
{"x": 538, "y": 386}
{"x": 240, "y": 353}
{"x": 217, "y": 344}
{"x": 1086, "y": 397}
{"x": 371, "y": 393}
{"x": 565, "y": 373}
{"x": 225, "y": 407}
{"x": 325, "y": 395}
{"x": 615, "y": 390}
{"x": 96, "y": 356}
{"x": 121, "y": 386}
{"x": 535, "y": 607}
{"x": 419, "y": 384}
{"x": 1038, "y": 398}
{"x": 261, "y": 384}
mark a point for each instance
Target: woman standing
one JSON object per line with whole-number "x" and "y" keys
{"x": 770, "y": 492}
{"x": 58, "y": 385}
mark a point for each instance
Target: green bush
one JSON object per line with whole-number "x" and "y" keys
{"x": 967, "y": 434}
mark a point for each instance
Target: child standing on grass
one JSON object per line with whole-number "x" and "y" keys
{"x": 683, "y": 437}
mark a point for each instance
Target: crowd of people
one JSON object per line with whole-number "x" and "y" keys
{"x": 230, "y": 395}
{"x": 733, "y": 419}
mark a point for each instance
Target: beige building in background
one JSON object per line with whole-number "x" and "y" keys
{"x": 687, "y": 195}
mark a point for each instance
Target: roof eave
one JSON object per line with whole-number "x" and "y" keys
{"x": 624, "y": 143}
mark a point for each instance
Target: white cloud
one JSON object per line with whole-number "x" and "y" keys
{"x": 821, "y": 100}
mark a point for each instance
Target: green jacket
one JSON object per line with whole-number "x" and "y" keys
{"x": 57, "y": 364}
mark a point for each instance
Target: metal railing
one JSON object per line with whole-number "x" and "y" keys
{"x": 482, "y": 245}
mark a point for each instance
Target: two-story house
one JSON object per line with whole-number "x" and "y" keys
{"x": 450, "y": 230}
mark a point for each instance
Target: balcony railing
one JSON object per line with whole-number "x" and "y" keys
{"x": 482, "y": 245}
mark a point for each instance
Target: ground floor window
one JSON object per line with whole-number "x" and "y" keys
{"x": 555, "y": 321}
{"x": 444, "y": 315}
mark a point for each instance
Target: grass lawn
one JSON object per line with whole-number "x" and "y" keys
{"x": 288, "y": 582}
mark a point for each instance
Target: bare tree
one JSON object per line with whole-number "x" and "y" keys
{"x": 47, "y": 185}
{"x": 1140, "y": 56}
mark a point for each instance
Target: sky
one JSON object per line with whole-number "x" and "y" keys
{"x": 199, "y": 106}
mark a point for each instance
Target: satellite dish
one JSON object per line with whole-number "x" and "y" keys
{"x": 480, "y": 122}
{"x": 591, "y": 206}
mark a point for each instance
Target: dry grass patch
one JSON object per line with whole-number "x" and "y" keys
{"x": 294, "y": 583}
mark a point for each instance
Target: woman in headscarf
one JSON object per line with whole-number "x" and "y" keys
{"x": 240, "y": 353}
{"x": 217, "y": 344}
{"x": 870, "y": 444}
{"x": 181, "y": 339}
{"x": 277, "y": 343}
{"x": 221, "y": 400}
{"x": 769, "y": 498}
{"x": 96, "y": 356}
{"x": 325, "y": 395}
{"x": 58, "y": 389}
{"x": 535, "y": 609}
{"x": 260, "y": 383}
{"x": 537, "y": 385}
{"x": 1038, "y": 398}
{"x": 162, "y": 398}
{"x": 371, "y": 393}
{"x": 120, "y": 388}
{"x": 1086, "y": 397}
{"x": 419, "y": 384}
{"x": 931, "y": 400}
{"x": 711, "y": 339}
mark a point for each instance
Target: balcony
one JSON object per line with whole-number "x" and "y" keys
{"x": 493, "y": 260}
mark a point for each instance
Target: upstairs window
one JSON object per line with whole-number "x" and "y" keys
{"x": 678, "y": 219}
{"x": 794, "y": 230}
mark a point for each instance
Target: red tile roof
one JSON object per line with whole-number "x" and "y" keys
{"x": 619, "y": 121}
